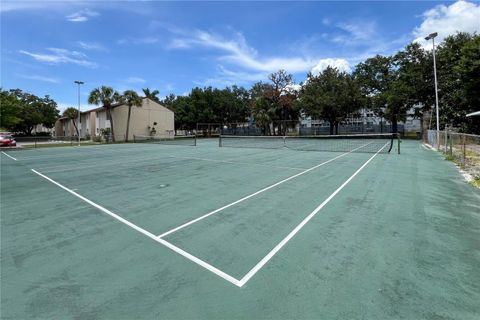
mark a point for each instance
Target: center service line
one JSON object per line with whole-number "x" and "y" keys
{"x": 279, "y": 246}
{"x": 253, "y": 194}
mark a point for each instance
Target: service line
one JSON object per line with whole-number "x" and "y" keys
{"x": 253, "y": 194}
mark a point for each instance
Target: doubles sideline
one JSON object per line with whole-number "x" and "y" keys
{"x": 282, "y": 243}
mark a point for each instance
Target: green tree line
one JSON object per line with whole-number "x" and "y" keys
{"x": 22, "y": 112}
{"x": 387, "y": 85}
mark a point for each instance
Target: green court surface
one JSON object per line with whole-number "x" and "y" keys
{"x": 147, "y": 231}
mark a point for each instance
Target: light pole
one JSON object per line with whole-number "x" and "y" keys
{"x": 432, "y": 36}
{"x": 79, "y": 83}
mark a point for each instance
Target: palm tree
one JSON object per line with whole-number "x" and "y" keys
{"x": 151, "y": 94}
{"x": 131, "y": 99}
{"x": 72, "y": 114}
{"x": 107, "y": 97}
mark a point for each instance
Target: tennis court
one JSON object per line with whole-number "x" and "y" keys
{"x": 247, "y": 230}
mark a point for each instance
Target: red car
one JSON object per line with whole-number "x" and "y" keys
{"x": 7, "y": 141}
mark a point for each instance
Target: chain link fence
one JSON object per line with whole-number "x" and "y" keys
{"x": 300, "y": 128}
{"x": 58, "y": 141}
{"x": 462, "y": 148}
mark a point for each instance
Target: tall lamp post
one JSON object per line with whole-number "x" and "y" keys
{"x": 79, "y": 83}
{"x": 432, "y": 36}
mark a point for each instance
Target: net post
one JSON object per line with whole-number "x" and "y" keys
{"x": 220, "y": 140}
{"x": 195, "y": 140}
{"x": 391, "y": 142}
{"x": 399, "y": 143}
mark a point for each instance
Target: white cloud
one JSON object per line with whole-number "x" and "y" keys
{"x": 226, "y": 77}
{"x": 135, "y": 80}
{"x": 82, "y": 15}
{"x": 326, "y": 21}
{"x": 18, "y": 5}
{"x": 179, "y": 44}
{"x": 74, "y": 104}
{"x": 144, "y": 40}
{"x": 39, "y": 78}
{"x": 357, "y": 33}
{"x": 340, "y": 64}
{"x": 237, "y": 52}
{"x": 360, "y": 30}
{"x": 61, "y": 56}
{"x": 244, "y": 62}
{"x": 293, "y": 88}
{"x": 62, "y": 106}
{"x": 91, "y": 46}
{"x": 447, "y": 20}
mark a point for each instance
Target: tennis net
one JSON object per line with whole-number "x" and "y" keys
{"x": 174, "y": 140}
{"x": 338, "y": 143}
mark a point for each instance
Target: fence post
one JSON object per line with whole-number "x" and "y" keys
{"x": 464, "y": 154}
{"x": 451, "y": 145}
{"x": 446, "y": 138}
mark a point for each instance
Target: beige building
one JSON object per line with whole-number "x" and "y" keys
{"x": 150, "y": 119}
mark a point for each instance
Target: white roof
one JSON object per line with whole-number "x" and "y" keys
{"x": 477, "y": 113}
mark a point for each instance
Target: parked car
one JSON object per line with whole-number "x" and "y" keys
{"x": 7, "y": 141}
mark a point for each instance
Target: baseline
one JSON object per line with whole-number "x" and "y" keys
{"x": 167, "y": 244}
{"x": 9, "y": 156}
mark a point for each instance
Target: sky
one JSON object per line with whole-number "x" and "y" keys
{"x": 175, "y": 46}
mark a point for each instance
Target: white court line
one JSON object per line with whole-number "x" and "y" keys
{"x": 167, "y": 244}
{"x": 9, "y": 156}
{"x": 252, "y": 195}
{"x": 209, "y": 267}
{"x": 279, "y": 246}
{"x": 234, "y": 162}
{"x": 427, "y": 146}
